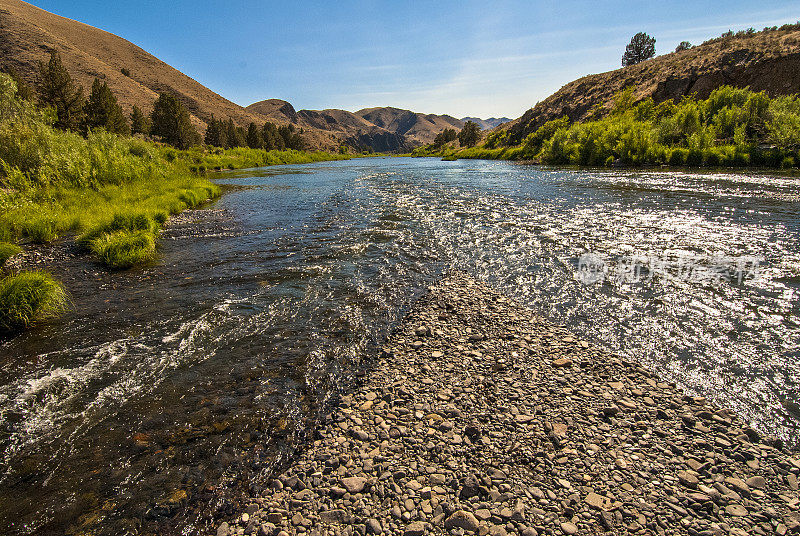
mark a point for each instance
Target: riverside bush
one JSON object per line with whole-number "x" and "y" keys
{"x": 27, "y": 297}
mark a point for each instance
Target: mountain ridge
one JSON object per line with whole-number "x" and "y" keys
{"x": 487, "y": 124}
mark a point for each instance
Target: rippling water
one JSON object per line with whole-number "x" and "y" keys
{"x": 171, "y": 391}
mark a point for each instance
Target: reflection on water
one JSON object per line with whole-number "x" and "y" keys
{"x": 173, "y": 390}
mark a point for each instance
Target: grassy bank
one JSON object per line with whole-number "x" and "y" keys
{"x": 112, "y": 193}
{"x": 733, "y": 128}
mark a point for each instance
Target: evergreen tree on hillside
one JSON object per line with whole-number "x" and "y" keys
{"x": 642, "y": 47}
{"x": 103, "y": 111}
{"x": 57, "y": 89}
{"x": 291, "y": 140}
{"x": 470, "y": 135}
{"x": 445, "y": 136}
{"x": 272, "y": 138}
{"x": 171, "y": 122}
{"x": 254, "y": 138}
{"x": 216, "y": 135}
{"x": 236, "y": 135}
{"x": 683, "y": 45}
{"x": 140, "y": 123}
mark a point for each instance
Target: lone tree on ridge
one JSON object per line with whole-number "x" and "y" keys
{"x": 642, "y": 47}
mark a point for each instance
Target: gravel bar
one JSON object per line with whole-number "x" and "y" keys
{"x": 481, "y": 418}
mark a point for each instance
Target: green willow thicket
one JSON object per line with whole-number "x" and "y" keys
{"x": 734, "y": 127}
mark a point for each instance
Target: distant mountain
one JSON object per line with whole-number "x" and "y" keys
{"x": 763, "y": 61}
{"x": 417, "y": 128}
{"x": 487, "y": 124}
{"x": 382, "y": 129}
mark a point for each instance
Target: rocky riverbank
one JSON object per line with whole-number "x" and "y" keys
{"x": 481, "y": 418}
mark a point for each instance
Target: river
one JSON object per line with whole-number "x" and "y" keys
{"x": 173, "y": 390}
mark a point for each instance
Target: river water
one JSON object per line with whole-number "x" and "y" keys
{"x": 171, "y": 391}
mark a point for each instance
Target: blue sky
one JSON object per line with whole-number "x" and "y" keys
{"x": 479, "y": 58}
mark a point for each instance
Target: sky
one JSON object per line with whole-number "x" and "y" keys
{"x": 465, "y": 58}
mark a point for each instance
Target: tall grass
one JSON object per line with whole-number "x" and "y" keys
{"x": 27, "y": 297}
{"x": 7, "y": 251}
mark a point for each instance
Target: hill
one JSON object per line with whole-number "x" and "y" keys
{"x": 765, "y": 61}
{"x": 487, "y": 124}
{"x": 418, "y": 129}
{"x": 347, "y": 127}
{"x": 383, "y": 129}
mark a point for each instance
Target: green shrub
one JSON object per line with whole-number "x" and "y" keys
{"x": 7, "y": 251}
{"x": 124, "y": 249}
{"x": 694, "y": 158}
{"x": 740, "y": 159}
{"x": 27, "y": 297}
{"x": 678, "y": 157}
{"x": 712, "y": 158}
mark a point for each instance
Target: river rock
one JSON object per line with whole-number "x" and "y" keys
{"x": 462, "y": 519}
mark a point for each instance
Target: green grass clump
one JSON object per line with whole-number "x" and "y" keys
{"x": 127, "y": 221}
{"x": 27, "y": 297}
{"x": 124, "y": 249}
{"x": 129, "y": 238}
{"x": 7, "y": 251}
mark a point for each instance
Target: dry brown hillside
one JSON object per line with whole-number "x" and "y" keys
{"x": 768, "y": 61}
{"x": 383, "y": 129}
{"x": 418, "y": 128}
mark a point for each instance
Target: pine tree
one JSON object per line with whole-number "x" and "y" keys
{"x": 103, "y": 111}
{"x": 171, "y": 122}
{"x": 470, "y": 135}
{"x": 642, "y": 47}
{"x": 216, "y": 135}
{"x": 445, "y": 136}
{"x": 272, "y": 139}
{"x": 254, "y": 138}
{"x": 140, "y": 123}
{"x": 57, "y": 89}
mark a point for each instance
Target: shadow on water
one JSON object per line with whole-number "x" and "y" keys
{"x": 172, "y": 392}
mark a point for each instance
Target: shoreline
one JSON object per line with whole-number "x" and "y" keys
{"x": 481, "y": 418}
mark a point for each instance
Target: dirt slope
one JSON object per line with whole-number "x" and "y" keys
{"x": 417, "y": 128}
{"x": 768, "y": 61}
